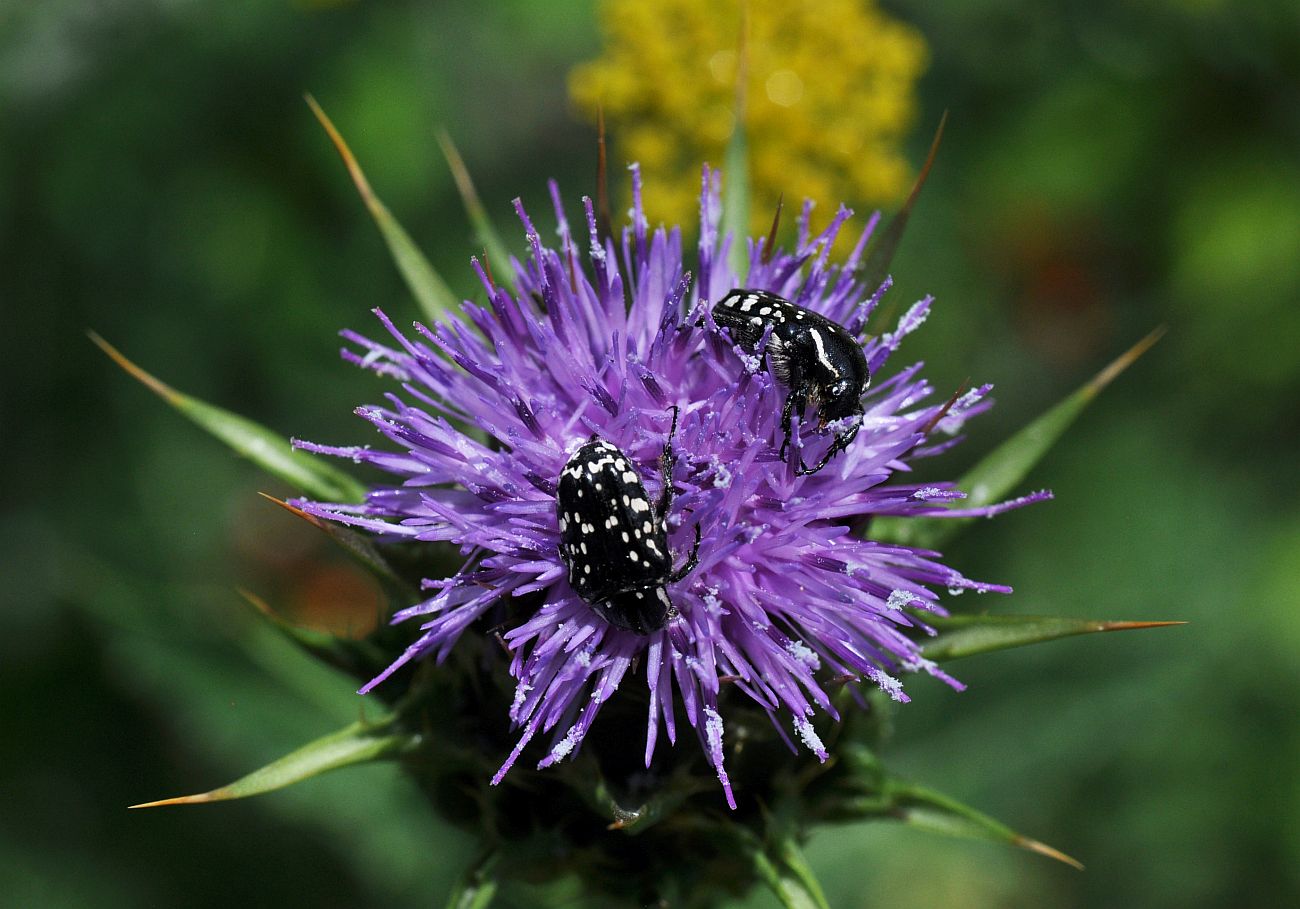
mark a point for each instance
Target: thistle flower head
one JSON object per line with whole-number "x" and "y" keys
{"x": 606, "y": 337}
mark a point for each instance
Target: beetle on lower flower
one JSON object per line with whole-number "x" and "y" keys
{"x": 613, "y": 339}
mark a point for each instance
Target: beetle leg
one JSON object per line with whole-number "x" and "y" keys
{"x": 795, "y": 402}
{"x": 786, "y": 410}
{"x": 841, "y": 442}
{"x": 691, "y": 561}
{"x": 666, "y": 460}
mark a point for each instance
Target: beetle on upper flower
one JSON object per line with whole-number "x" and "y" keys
{"x": 816, "y": 358}
{"x": 613, "y": 541}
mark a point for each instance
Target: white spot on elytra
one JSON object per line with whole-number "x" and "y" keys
{"x": 821, "y": 348}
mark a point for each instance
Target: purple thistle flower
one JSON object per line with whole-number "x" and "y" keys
{"x": 605, "y": 338}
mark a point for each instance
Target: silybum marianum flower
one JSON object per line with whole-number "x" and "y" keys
{"x": 606, "y": 338}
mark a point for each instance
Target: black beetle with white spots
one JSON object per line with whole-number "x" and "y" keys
{"x": 614, "y": 541}
{"x": 816, "y": 358}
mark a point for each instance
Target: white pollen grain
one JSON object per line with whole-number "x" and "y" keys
{"x": 565, "y": 746}
{"x": 713, "y": 730}
{"x": 809, "y": 736}
{"x": 804, "y": 654}
{"x": 898, "y": 599}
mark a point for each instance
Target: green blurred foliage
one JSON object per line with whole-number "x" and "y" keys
{"x": 1107, "y": 167}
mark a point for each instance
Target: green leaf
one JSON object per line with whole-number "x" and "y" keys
{"x": 878, "y": 794}
{"x": 497, "y": 257}
{"x": 356, "y": 657}
{"x": 428, "y": 287}
{"x": 926, "y": 809}
{"x": 993, "y": 478}
{"x": 358, "y": 547}
{"x": 654, "y": 809}
{"x": 477, "y": 887}
{"x": 359, "y": 743}
{"x": 788, "y": 876}
{"x": 735, "y": 200}
{"x": 604, "y": 218}
{"x": 880, "y": 255}
{"x": 303, "y": 470}
{"x": 792, "y": 858}
{"x": 735, "y": 165}
{"x": 961, "y": 636}
{"x": 586, "y": 779}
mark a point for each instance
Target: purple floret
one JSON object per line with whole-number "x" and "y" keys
{"x": 604, "y": 338}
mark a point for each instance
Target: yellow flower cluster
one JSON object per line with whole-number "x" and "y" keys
{"x": 829, "y": 96}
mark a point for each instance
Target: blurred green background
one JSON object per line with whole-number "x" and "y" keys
{"x": 1108, "y": 166}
